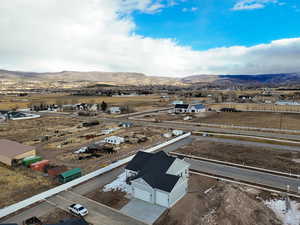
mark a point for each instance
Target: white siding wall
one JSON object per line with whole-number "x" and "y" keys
{"x": 178, "y": 192}
{"x": 136, "y": 186}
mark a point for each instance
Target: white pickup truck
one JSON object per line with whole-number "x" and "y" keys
{"x": 78, "y": 210}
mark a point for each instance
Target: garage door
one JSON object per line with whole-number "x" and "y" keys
{"x": 162, "y": 199}
{"x": 143, "y": 195}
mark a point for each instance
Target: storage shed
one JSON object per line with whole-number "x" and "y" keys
{"x": 13, "y": 152}
{"x": 69, "y": 175}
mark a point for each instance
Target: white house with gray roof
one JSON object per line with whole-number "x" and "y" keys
{"x": 157, "y": 178}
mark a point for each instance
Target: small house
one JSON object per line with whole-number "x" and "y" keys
{"x": 181, "y": 108}
{"x": 114, "y": 110}
{"x": 197, "y": 108}
{"x": 115, "y": 140}
{"x": 157, "y": 178}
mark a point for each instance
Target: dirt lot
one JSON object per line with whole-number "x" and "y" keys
{"x": 65, "y": 155}
{"x": 224, "y": 204}
{"x": 55, "y": 217}
{"x": 113, "y": 199}
{"x": 18, "y": 184}
{"x": 280, "y": 160}
{"x": 249, "y": 119}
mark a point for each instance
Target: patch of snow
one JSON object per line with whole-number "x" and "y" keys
{"x": 118, "y": 184}
{"x": 291, "y": 217}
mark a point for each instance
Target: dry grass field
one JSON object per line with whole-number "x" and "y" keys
{"x": 279, "y": 160}
{"x": 253, "y": 119}
{"x": 289, "y": 121}
{"x": 18, "y": 184}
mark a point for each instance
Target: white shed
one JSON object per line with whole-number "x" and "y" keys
{"x": 114, "y": 140}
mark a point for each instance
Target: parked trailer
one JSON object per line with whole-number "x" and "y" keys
{"x": 55, "y": 171}
{"x": 39, "y": 166}
{"x": 28, "y": 161}
{"x": 69, "y": 175}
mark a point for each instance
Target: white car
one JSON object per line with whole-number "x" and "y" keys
{"x": 78, "y": 210}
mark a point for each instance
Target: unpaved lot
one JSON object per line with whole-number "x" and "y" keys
{"x": 65, "y": 155}
{"x": 20, "y": 183}
{"x": 280, "y": 160}
{"x": 115, "y": 199}
{"x": 222, "y": 204}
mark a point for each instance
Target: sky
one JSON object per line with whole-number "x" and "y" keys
{"x": 156, "y": 37}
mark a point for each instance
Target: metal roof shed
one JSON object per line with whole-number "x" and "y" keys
{"x": 69, "y": 175}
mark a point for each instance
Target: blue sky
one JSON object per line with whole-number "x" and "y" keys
{"x": 156, "y": 37}
{"x": 214, "y": 23}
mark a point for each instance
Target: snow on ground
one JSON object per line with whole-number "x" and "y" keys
{"x": 292, "y": 217}
{"x": 118, "y": 184}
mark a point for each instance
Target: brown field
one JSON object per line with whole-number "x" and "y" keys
{"x": 289, "y": 121}
{"x": 18, "y": 184}
{"x": 9, "y": 102}
{"x": 256, "y": 107}
{"x": 30, "y": 131}
{"x": 279, "y": 160}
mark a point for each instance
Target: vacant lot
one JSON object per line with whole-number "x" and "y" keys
{"x": 280, "y": 160}
{"x": 30, "y": 131}
{"x": 248, "y": 119}
{"x": 18, "y": 184}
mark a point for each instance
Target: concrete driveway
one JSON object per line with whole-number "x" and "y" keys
{"x": 143, "y": 211}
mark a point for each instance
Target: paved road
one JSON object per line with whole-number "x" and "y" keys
{"x": 98, "y": 213}
{"x": 248, "y": 143}
{"x": 273, "y": 181}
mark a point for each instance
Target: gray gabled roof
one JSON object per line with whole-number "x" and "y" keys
{"x": 152, "y": 168}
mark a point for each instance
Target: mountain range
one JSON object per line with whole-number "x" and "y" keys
{"x": 128, "y": 78}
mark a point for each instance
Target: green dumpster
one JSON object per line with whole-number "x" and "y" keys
{"x": 28, "y": 161}
{"x": 69, "y": 175}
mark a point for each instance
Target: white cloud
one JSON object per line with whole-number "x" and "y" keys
{"x": 253, "y": 4}
{"x": 54, "y": 35}
{"x": 193, "y": 9}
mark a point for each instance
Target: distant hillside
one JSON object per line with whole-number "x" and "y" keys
{"x": 127, "y": 78}
{"x": 245, "y": 80}
{"x": 118, "y": 78}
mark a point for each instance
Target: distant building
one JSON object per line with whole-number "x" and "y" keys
{"x": 181, "y": 108}
{"x": 114, "y": 110}
{"x": 287, "y": 103}
{"x": 197, "y": 108}
{"x": 176, "y": 102}
{"x": 126, "y": 124}
{"x": 115, "y": 140}
{"x": 12, "y": 152}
